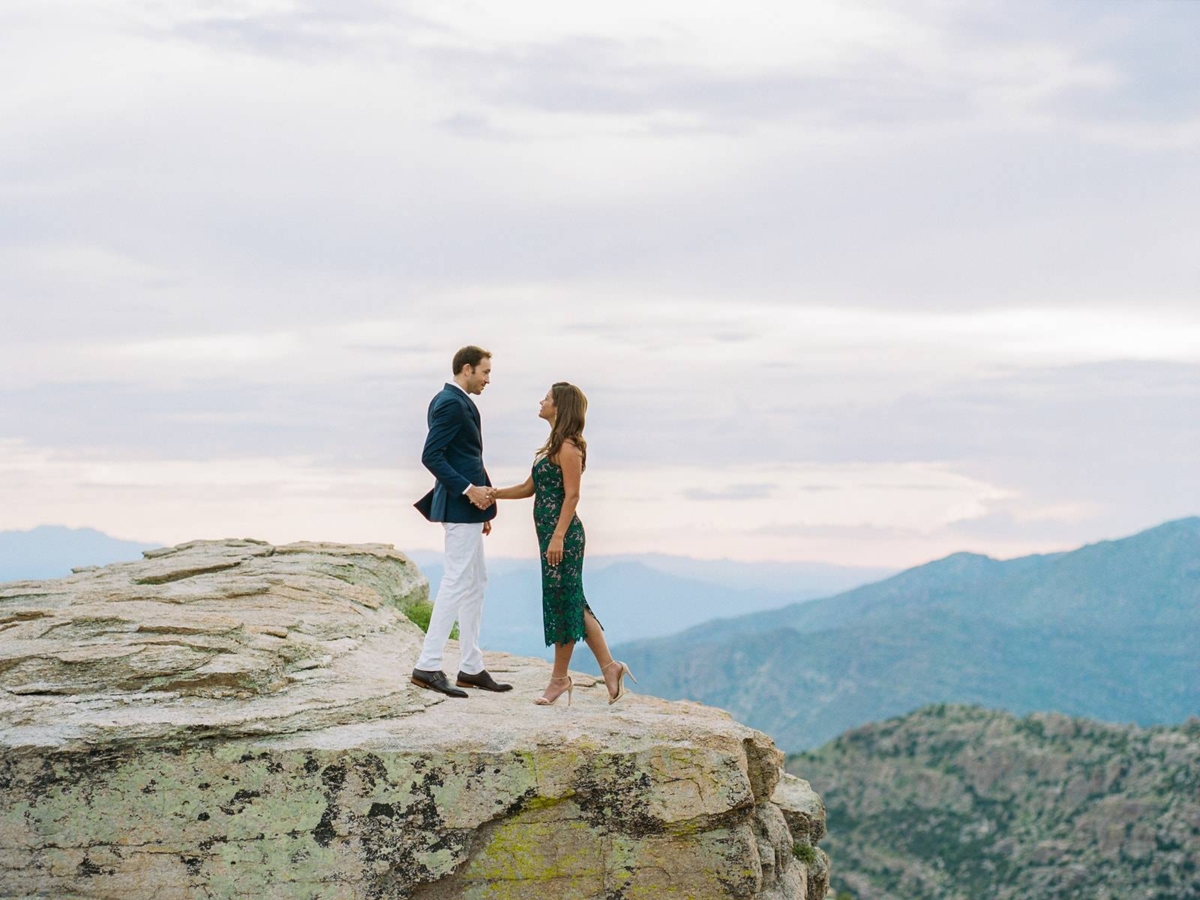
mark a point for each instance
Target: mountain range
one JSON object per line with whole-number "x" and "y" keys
{"x": 1107, "y": 631}
{"x": 645, "y": 595}
{"x": 51, "y": 551}
{"x": 960, "y": 803}
{"x": 634, "y": 595}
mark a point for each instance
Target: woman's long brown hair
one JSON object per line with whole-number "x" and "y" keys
{"x": 570, "y": 407}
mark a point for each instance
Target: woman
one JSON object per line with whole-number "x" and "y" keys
{"x": 554, "y": 485}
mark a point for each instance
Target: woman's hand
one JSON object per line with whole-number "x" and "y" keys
{"x": 554, "y": 553}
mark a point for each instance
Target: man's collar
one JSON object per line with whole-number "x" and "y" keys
{"x": 455, "y": 384}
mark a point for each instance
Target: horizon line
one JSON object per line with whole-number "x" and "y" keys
{"x": 606, "y": 556}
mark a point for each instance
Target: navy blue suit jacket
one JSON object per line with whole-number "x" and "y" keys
{"x": 454, "y": 454}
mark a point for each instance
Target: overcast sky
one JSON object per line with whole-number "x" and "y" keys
{"x": 857, "y": 282}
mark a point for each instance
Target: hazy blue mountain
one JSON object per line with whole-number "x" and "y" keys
{"x": 1108, "y": 631}
{"x": 803, "y": 579}
{"x": 51, "y": 551}
{"x": 635, "y": 596}
{"x": 959, "y": 803}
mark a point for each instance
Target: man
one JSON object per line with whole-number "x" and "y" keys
{"x": 462, "y": 501}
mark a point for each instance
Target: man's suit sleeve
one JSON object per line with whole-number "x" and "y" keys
{"x": 444, "y": 423}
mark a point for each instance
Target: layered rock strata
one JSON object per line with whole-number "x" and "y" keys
{"x": 231, "y": 719}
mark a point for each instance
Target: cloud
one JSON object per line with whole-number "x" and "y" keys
{"x": 733, "y": 492}
{"x": 1054, "y": 527}
{"x": 216, "y": 349}
{"x": 304, "y": 29}
{"x": 473, "y": 126}
{"x": 284, "y": 497}
{"x": 684, "y": 72}
{"x": 860, "y": 533}
{"x": 960, "y": 238}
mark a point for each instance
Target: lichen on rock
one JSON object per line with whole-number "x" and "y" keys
{"x": 228, "y": 719}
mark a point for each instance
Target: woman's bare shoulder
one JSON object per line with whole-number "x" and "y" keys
{"x": 569, "y": 450}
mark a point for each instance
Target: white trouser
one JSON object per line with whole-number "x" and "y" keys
{"x": 460, "y": 596}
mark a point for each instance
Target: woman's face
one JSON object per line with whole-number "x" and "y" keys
{"x": 546, "y": 410}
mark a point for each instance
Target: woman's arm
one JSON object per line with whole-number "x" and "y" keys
{"x": 570, "y": 460}
{"x": 516, "y": 492}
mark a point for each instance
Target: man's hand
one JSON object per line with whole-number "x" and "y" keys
{"x": 480, "y": 496}
{"x": 487, "y": 528}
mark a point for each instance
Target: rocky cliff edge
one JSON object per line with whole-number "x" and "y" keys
{"x": 229, "y": 719}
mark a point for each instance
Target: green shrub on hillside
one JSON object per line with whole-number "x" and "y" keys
{"x": 983, "y": 804}
{"x": 805, "y": 853}
{"x": 419, "y": 614}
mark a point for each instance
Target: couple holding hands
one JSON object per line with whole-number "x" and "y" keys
{"x": 464, "y": 502}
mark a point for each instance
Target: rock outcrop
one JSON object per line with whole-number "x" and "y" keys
{"x": 231, "y": 719}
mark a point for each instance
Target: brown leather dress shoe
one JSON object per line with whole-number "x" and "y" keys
{"x": 481, "y": 680}
{"x": 435, "y": 681}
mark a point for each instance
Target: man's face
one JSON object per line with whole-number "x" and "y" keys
{"x": 479, "y": 376}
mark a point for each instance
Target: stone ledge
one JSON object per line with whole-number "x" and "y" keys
{"x": 230, "y": 719}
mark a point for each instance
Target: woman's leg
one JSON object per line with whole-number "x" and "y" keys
{"x": 599, "y": 647}
{"x": 562, "y": 658}
{"x": 562, "y": 664}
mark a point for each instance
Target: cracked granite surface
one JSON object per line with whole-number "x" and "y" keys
{"x": 231, "y": 719}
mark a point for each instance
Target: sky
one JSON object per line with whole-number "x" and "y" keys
{"x": 854, "y": 282}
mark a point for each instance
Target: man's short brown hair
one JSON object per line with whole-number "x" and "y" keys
{"x": 470, "y": 356}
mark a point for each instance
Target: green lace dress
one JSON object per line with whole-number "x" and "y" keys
{"x": 563, "y": 603}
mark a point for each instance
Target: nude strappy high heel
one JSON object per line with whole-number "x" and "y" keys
{"x": 542, "y": 701}
{"x": 620, "y": 681}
